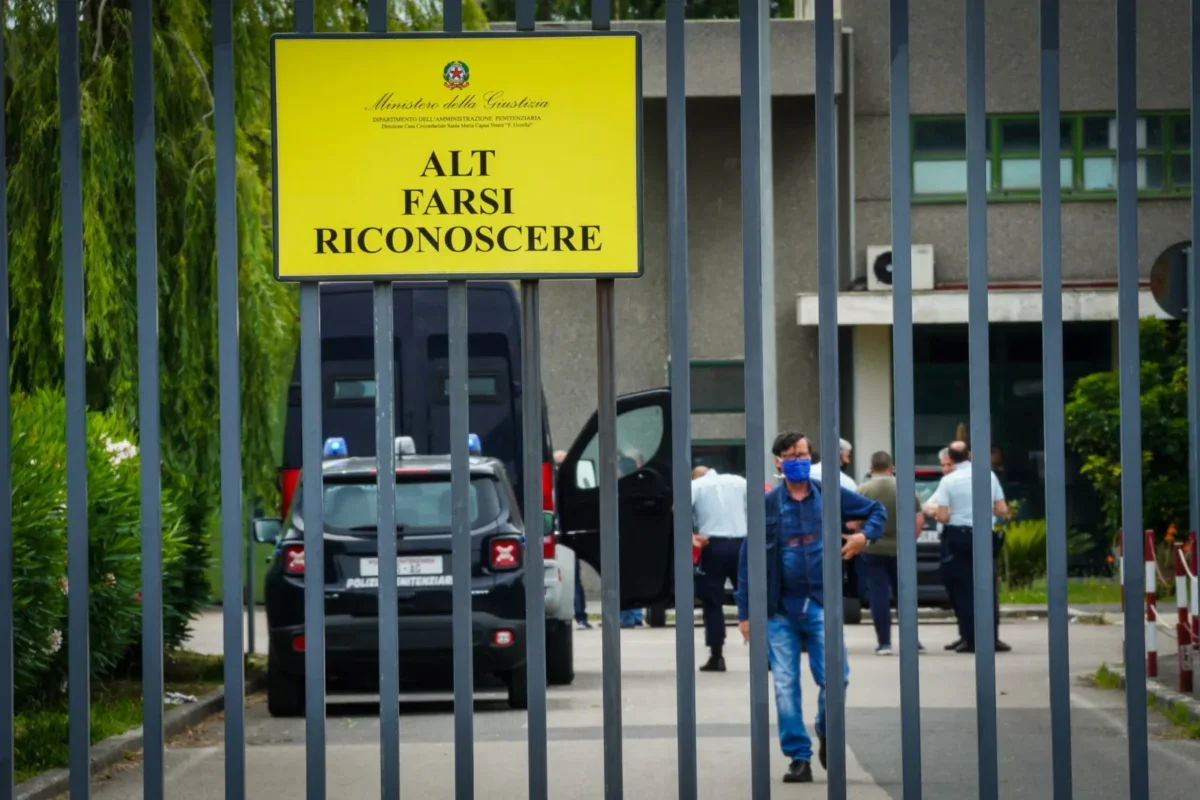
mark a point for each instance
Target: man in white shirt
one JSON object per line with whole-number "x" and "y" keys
{"x": 951, "y": 506}
{"x": 719, "y": 522}
{"x": 844, "y": 451}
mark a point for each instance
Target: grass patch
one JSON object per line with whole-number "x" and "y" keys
{"x": 1079, "y": 591}
{"x": 1179, "y": 715}
{"x": 1105, "y": 678}
{"x": 41, "y": 734}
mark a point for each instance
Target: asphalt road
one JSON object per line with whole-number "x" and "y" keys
{"x": 276, "y": 753}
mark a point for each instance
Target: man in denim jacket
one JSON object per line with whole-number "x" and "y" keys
{"x": 795, "y": 591}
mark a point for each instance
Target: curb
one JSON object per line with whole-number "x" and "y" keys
{"x": 943, "y": 614}
{"x": 118, "y": 748}
{"x": 1160, "y": 694}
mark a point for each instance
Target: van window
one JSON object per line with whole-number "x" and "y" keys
{"x": 354, "y": 389}
{"x": 639, "y": 436}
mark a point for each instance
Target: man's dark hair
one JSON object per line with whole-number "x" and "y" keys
{"x": 959, "y": 452}
{"x": 881, "y": 461}
{"x": 785, "y": 441}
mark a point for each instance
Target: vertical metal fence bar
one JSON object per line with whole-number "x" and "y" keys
{"x": 1053, "y": 416}
{"x": 1130, "y": 396}
{"x": 314, "y": 544}
{"x": 153, "y": 781}
{"x": 230, "y": 399}
{"x": 1193, "y": 284}
{"x": 755, "y": 50}
{"x": 74, "y": 356}
{"x": 7, "y": 698}
{"x": 460, "y": 523}
{"x": 533, "y": 417}
{"x": 904, "y": 413}
{"x": 827, "y": 285}
{"x": 610, "y": 542}
{"x": 981, "y": 415}
{"x": 681, "y": 398}
{"x": 535, "y": 592}
{"x": 610, "y": 588}
{"x": 385, "y": 456}
{"x": 312, "y": 503}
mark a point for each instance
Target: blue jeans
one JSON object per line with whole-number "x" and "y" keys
{"x": 631, "y": 617}
{"x": 785, "y": 632}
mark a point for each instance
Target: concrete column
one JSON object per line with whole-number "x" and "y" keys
{"x": 872, "y": 424}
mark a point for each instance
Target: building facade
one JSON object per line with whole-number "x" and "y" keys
{"x": 939, "y": 224}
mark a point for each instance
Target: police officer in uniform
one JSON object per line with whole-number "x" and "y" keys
{"x": 951, "y": 506}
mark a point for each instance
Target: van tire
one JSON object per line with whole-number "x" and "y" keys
{"x": 560, "y": 653}
{"x": 518, "y": 689}
{"x": 853, "y": 610}
{"x": 285, "y": 692}
{"x": 656, "y": 616}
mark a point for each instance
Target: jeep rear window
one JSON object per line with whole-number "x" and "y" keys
{"x": 422, "y": 502}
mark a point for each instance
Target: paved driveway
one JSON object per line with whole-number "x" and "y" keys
{"x": 276, "y": 747}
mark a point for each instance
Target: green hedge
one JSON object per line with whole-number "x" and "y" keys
{"x": 40, "y": 586}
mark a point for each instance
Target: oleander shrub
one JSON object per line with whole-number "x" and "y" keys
{"x": 40, "y": 586}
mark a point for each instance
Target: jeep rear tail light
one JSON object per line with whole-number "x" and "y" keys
{"x": 504, "y": 554}
{"x": 548, "y": 546}
{"x": 293, "y": 559}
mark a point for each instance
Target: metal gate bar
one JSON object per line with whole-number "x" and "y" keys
{"x": 533, "y": 420}
{"x": 1193, "y": 287}
{"x": 224, "y": 123}
{"x": 314, "y": 513}
{"x": 75, "y": 385}
{"x": 981, "y": 415}
{"x": 904, "y": 423}
{"x": 1053, "y": 403}
{"x": 755, "y": 107}
{"x": 460, "y": 522}
{"x": 1125, "y": 21}
{"x": 535, "y": 592}
{"x": 831, "y": 500}
{"x": 7, "y": 698}
{"x": 153, "y": 780}
{"x": 384, "y": 301}
{"x": 681, "y": 399}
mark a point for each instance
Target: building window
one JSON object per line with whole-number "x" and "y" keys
{"x": 1087, "y": 168}
{"x": 718, "y": 386}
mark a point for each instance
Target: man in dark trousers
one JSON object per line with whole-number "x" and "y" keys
{"x": 951, "y": 506}
{"x": 795, "y": 590}
{"x": 719, "y": 520}
{"x": 880, "y": 557}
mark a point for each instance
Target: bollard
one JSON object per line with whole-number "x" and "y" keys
{"x": 1151, "y": 610}
{"x": 1183, "y": 625}
{"x": 1193, "y": 561}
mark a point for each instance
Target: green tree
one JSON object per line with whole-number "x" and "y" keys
{"x": 188, "y": 310}
{"x": 1094, "y": 429}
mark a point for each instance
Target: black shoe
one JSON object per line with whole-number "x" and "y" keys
{"x": 955, "y": 644}
{"x": 965, "y": 648}
{"x": 1003, "y": 647}
{"x": 821, "y": 752}
{"x": 798, "y": 772}
{"x": 714, "y": 664}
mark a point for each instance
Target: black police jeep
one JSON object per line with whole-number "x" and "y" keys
{"x": 424, "y": 579}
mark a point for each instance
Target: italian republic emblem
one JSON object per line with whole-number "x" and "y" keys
{"x": 456, "y": 75}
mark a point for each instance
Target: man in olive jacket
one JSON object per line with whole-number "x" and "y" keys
{"x": 880, "y": 557}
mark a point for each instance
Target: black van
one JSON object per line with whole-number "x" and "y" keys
{"x": 422, "y": 374}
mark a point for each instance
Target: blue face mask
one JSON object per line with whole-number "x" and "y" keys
{"x": 796, "y": 470}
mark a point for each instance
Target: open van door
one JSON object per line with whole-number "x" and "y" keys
{"x": 643, "y": 496}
